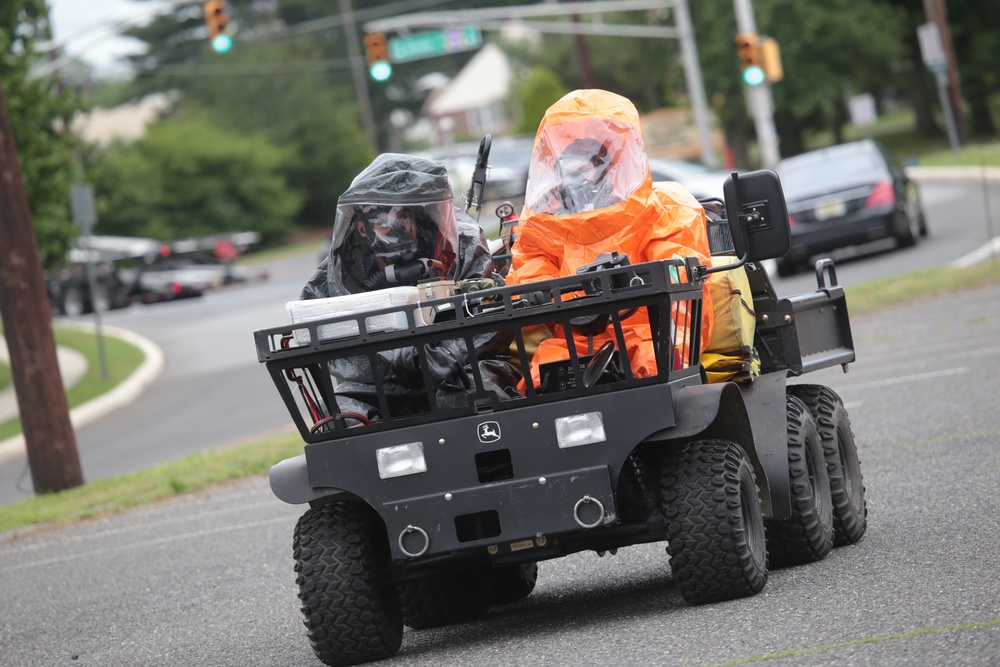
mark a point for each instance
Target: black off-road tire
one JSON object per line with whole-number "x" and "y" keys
{"x": 807, "y": 535}
{"x": 847, "y": 486}
{"x": 351, "y": 614}
{"x": 715, "y": 528}
{"x": 447, "y": 599}
{"x": 513, "y": 583}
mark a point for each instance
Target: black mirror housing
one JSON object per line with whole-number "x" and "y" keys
{"x": 757, "y": 214}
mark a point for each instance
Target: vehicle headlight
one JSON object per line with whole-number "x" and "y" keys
{"x": 576, "y": 430}
{"x": 400, "y": 460}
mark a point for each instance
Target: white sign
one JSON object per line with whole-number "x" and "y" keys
{"x": 862, "y": 109}
{"x": 930, "y": 46}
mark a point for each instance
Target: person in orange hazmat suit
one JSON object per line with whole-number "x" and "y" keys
{"x": 590, "y": 192}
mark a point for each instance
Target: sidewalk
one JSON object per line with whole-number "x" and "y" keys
{"x": 73, "y": 366}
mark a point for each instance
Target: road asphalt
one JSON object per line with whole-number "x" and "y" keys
{"x": 72, "y": 367}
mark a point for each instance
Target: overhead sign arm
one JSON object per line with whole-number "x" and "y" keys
{"x": 494, "y": 18}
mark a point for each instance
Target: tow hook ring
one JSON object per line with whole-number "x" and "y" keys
{"x": 576, "y": 512}
{"x": 414, "y": 529}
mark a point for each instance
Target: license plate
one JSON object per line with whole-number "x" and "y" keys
{"x": 830, "y": 209}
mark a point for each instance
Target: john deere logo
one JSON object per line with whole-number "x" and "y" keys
{"x": 489, "y": 432}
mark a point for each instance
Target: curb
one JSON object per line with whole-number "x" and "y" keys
{"x": 985, "y": 174}
{"x": 123, "y": 394}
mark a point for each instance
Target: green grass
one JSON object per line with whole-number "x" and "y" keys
{"x": 896, "y": 133}
{"x": 4, "y": 376}
{"x": 122, "y": 360}
{"x": 187, "y": 475}
{"x": 885, "y": 292}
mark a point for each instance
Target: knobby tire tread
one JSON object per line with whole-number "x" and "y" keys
{"x": 446, "y": 599}
{"x": 807, "y": 535}
{"x": 847, "y": 489}
{"x": 708, "y": 487}
{"x": 351, "y": 616}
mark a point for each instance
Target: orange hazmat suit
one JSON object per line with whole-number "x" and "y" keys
{"x": 575, "y": 209}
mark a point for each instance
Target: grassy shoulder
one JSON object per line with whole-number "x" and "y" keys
{"x": 122, "y": 360}
{"x": 885, "y": 292}
{"x": 4, "y": 376}
{"x": 205, "y": 470}
{"x": 192, "y": 473}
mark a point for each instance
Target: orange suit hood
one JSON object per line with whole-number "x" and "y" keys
{"x": 621, "y": 210}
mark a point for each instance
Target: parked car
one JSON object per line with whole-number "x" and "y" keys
{"x": 69, "y": 288}
{"x": 847, "y": 195}
{"x": 145, "y": 270}
{"x": 700, "y": 180}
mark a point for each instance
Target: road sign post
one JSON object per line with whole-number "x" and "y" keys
{"x": 932, "y": 52}
{"x": 81, "y": 198}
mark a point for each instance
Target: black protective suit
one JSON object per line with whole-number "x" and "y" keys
{"x": 407, "y": 180}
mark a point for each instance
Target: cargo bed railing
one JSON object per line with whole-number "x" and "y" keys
{"x": 306, "y": 362}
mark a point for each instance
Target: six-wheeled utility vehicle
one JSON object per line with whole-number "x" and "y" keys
{"x": 429, "y": 514}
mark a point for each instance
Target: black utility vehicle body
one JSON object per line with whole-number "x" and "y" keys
{"x": 429, "y": 516}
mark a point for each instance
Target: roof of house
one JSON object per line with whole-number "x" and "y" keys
{"x": 484, "y": 80}
{"x": 127, "y": 122}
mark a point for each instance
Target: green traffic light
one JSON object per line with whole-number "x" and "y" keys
{"x": 753, "y": 75}
{"x": 222, "y": 43}
{"x": 381, "y": 71}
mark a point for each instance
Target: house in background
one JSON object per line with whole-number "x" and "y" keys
{"x": 126, "y": 122}
{"x": 474, "y": 102}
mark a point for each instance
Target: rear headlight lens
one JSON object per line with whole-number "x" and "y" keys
{"x": 792, "y": 221}
{"x": 576, "y": 430}
{"x": 882, "y": 195}
{"x": 401, "y": 460}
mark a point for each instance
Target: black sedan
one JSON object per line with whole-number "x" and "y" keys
{"x": 847, "y": 195}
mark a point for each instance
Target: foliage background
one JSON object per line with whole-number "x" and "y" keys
{"x": 269, "y": 135}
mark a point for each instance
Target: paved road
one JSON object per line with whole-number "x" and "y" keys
{"x": 207, "y": 580}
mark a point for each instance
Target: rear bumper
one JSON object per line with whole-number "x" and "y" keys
{"x": 861, "y": 227}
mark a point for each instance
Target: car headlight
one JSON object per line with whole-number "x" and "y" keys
{"x": 576, "y": 430}
{"x": 400, "y": 460}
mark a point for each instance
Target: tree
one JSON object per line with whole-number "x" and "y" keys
{"x": 828, "y": 49}
{"x": 40, "y": 114}
{"x": 189, "y": 177}
{"x": 535, "y": 93}
{"x": 296, "y": 107}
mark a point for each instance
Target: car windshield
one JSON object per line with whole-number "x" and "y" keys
{"x": 806, "y": 172}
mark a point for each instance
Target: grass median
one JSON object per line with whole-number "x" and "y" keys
{"x": 204, "y": 470}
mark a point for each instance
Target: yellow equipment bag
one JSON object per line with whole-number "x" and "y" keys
{"x": 730, "y": 355}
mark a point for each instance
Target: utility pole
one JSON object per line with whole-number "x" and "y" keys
{"x": 759, "y": 98}
{"x": 24, "y": 307}
{"x": 358, "y": 72}
{"x": 937, "y": 14}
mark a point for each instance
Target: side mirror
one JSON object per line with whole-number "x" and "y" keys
{"x": 758, "y": 216}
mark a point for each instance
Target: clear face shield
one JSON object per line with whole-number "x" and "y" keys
{"x": 377, "y": 245}
{"x": 582, "y": 183}
{"x": 582, "y": 165}
{"x": 391, "y": 231}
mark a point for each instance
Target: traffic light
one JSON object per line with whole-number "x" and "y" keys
{"x": 770, "y": 60}
{"x": 378, "y": 56}
{"x": 748, "y": 51}
{"x": 217, "y": 20}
